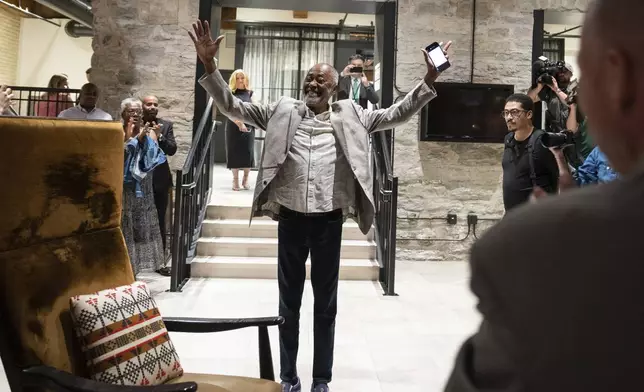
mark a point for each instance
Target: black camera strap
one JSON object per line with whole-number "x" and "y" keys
{"x": 536, "y": 134}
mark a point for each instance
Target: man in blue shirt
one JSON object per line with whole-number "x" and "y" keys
{"x": 595, "y": 170}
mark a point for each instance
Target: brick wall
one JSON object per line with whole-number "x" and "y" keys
{"x": 435, "y": 177}
{"x": 9, "y": 46}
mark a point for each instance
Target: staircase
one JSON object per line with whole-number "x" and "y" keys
{"x": 229, "y": 248}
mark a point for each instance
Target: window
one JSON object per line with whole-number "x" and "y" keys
{"x": 277, "y": 59}
{"x": 554, "y": 48}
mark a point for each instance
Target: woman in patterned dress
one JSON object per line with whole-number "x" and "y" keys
{"x": 139, "y": 220}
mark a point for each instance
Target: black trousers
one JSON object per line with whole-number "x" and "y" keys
{"x": 321, "y": 236}
{"x": 161, "y": 203}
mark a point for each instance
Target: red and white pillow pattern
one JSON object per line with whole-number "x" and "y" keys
{"x": 124, "y": 338}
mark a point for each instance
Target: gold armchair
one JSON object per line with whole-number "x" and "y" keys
{"x": 60, "y": 236}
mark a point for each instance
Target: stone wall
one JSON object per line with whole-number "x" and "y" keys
{"x": 435, "y": 178}
{"x": 143, "y": 48}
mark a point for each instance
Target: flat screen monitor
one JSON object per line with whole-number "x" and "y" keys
{"x": 466, "y": 112}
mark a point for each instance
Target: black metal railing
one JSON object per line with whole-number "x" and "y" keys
{"x": 192, "y": 193}
{"x": 42, "y": 102}
{"x": 385, "y": 194}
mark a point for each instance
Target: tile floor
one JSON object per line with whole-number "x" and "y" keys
{"x": 223, "y": 194}
{"x": 383, "y": 344}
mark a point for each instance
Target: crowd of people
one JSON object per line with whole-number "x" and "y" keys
{"x": 532, "y": 169}
{"x": 148, "y": 141}
{"x": 557, "y": 280}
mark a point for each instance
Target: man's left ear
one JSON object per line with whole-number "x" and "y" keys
{"x": 529, "y": 114}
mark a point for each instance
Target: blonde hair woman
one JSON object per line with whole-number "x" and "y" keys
{"x": 50, "y": 104}
{"x": 240, "y": 138}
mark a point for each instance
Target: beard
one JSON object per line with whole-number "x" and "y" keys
{"x": 313, "y": 98}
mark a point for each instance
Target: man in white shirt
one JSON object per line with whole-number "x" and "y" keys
{"x": 86, "y": 108}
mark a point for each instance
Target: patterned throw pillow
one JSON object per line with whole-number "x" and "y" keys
{"x": 124, "y": 338}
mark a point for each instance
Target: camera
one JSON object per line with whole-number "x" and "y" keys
{"x": 543, "y": 70}
{"x": 558, "y": 140}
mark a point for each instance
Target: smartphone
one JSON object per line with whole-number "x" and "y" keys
{"x": 438, "y": 57}
{"x": 356, "y": 70}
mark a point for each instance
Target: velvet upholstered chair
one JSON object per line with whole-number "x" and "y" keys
{"x": 60, "y": 237}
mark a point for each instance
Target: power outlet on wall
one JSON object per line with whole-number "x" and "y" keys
{"x": 472, "y": 219}
{"x": 452, "y": 219}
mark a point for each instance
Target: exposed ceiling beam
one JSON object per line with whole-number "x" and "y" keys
{"x": 36, "y": 8}
{"x": 24, "y": 12}
{"x": 73, "y": 9}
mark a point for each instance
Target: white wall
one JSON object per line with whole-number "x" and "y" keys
{"x": 9, "y": 38}
{"x": 264, "y": 15}
{"x": 46, "y": 50}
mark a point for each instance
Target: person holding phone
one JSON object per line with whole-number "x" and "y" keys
{"x": 314, "y": 174}
{"x": 354, "y": 84}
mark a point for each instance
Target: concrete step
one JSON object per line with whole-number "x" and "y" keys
{"x": 230, "y": 212}
{"x": 266, "y": 268}
{"x": 265, "y": 228}
{"x": 267, "y": 247}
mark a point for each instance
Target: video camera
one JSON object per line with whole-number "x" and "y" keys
{"x": 543, "y": 70}
{"x": 558, "y": 140}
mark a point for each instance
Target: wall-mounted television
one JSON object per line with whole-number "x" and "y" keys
{"x": 466, "y": 112}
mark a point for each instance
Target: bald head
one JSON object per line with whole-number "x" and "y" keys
{"x": 612, "y": 68}
{"x": 88, "y": 96}
{"x": 320, "y": 84}
{"x": 326, "y": 67}
{"x": 619, "y": 20}
{"x": 150, "y": 108}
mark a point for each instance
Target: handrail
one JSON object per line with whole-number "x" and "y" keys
{"x": 26, "y": 100}
{"x": 202, "y": 125}
{"x": 193, "y": 191}
{"x": 387, "y": 157}
{"x": 385, "y": 193}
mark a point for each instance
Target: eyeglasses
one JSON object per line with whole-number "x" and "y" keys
{"x": 514, "y": 113}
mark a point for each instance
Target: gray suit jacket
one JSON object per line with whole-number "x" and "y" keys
{"x": 561, "y": 287}
{"x": 351, "y": 124}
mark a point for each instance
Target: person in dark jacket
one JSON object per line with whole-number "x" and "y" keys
{"x": 162, "y": 181}
{"x": 355, "y": 85}
{"x": 559, "y": 282}
{"x": 240, "y": 137}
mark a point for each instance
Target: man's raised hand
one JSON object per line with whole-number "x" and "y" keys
{"x": 432, "y": 72}
{"x": 5, "y": 98}
{"x": 205, "y": 46}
